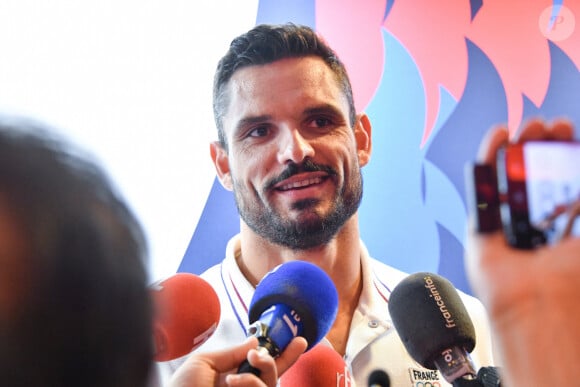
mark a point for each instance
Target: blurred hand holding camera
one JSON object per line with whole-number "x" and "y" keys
{"x": 530, "y": 294}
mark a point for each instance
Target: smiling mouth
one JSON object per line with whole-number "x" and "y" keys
{"x": 301, "y": 184}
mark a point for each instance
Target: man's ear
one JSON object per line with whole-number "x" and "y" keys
{"x": 362, "y": 134}
{"x": 221, "y": 162}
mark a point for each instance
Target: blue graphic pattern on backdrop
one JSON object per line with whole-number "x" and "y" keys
{"x": 413, "y": 212}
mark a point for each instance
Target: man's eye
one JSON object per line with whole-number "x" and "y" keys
{"x": 320, "y": 122}
{"x": 260, "y": 131}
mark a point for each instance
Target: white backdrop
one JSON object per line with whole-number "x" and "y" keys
{"x": 130, "y": 81}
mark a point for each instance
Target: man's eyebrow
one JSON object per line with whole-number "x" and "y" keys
{"x": 323, "y": 109}
{"x": 251, "y": 120}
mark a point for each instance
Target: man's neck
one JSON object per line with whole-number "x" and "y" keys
{"x": 340, "y": 259}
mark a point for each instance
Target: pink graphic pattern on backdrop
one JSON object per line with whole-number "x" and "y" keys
{"x": 435, "y": 33}
{"x": 355, "y": 33}
{"x": 509, "y": 33}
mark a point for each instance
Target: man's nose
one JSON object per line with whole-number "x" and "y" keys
{"x": 294, "y": 147}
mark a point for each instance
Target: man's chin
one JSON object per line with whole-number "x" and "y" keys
{"x": 306, "y": 205}
{"x": 306, "y": 224}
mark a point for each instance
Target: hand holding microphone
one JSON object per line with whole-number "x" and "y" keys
{"x": 295, "y": 299}
{"x": 292, "y": 309}
{"x": 217, "y": 368}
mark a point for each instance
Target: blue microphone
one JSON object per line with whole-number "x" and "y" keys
{"x": 295, "y": 299}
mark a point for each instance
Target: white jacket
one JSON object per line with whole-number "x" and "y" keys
{"x": 373, "y": 342}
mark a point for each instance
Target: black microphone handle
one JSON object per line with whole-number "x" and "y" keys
{"x": 263, "y": 345}
{"x": 246, "y": 368}
{"x": 461, "y": 382}
{"x": 489, "y": 376}
{"x": 486, "y": 377}
{"x": 379, "y": 378}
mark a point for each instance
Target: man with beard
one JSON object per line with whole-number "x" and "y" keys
{"x": 291, "y": 147}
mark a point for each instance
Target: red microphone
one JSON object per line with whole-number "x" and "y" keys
{"x": 321, "y": 366}
{"x": 187, "y": 312}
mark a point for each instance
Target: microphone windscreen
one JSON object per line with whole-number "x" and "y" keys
{"x": 187, "y": 312}
{"x": 322, "y": 366}
{"x": 303, "y": 287}
{"x": 379, "y": 378}
{"x": 429, "y": 317}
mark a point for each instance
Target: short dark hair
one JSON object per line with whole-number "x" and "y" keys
{"x": 86, "y": 320}
{"x": 266, "y": 44}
